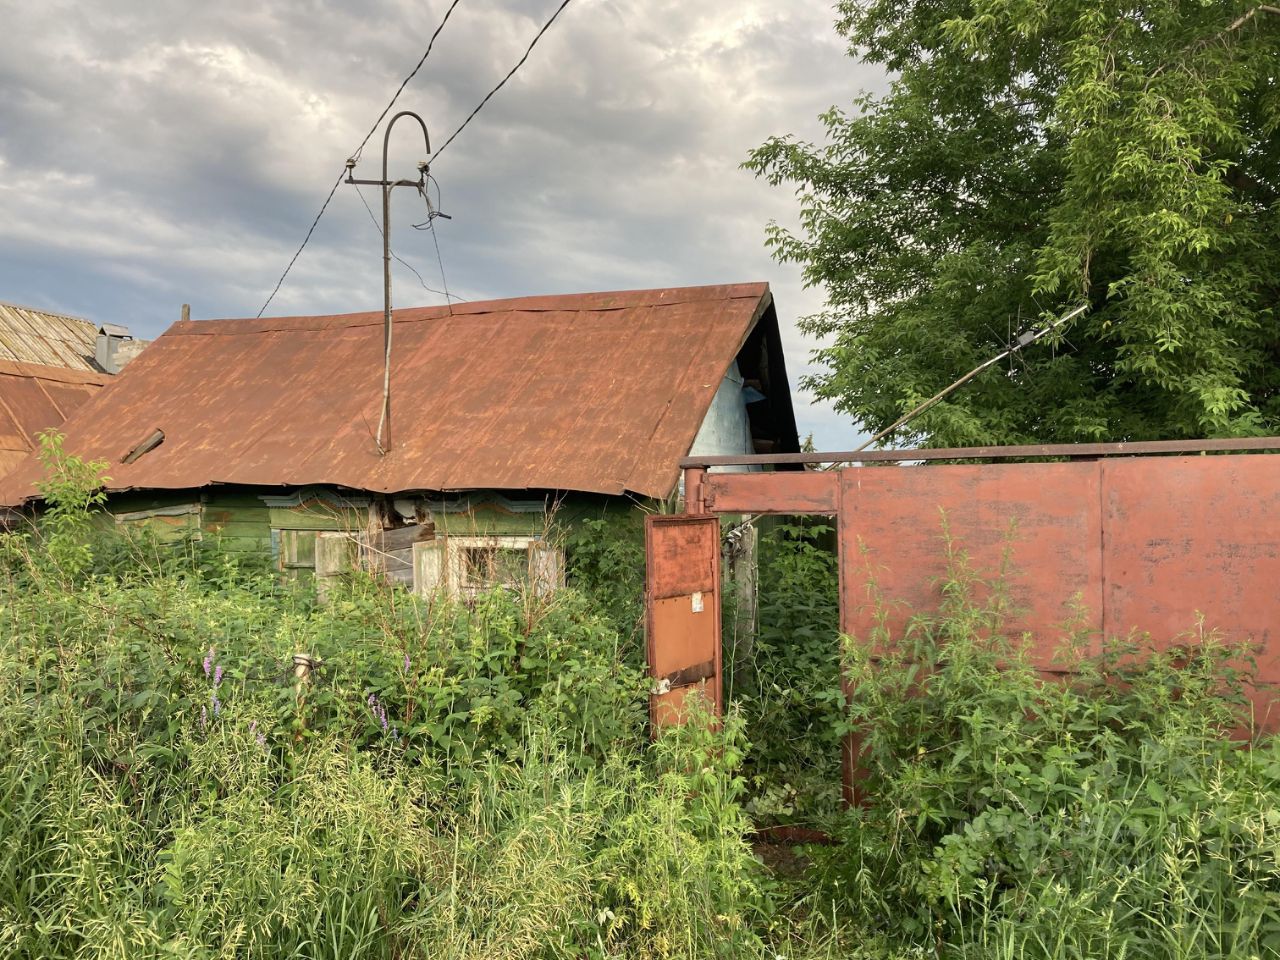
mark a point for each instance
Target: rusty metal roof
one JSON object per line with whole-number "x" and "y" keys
{"x": 34, "y": 398}
{"x": 598, "y": 392}
{"x": 28, "y": 335}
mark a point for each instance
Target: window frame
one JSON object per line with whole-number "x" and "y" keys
{"x": 452, "y": 573}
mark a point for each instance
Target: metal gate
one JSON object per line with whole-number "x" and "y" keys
{"x": 1147, "y": 541}
{"x": 682, "y": 613}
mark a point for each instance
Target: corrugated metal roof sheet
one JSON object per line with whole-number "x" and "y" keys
{"x": 34, "y": 398}
{"x": 598, "y": 392}
{"x": 28, "y": 335}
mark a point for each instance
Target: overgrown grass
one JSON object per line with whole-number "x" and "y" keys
{"x": 452, "y": 781}
{"x": 474, "y": 781}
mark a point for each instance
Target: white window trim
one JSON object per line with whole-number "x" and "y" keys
{"x": 454, "y": 563}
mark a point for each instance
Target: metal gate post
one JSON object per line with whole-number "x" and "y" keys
{"x": 695, "y": 502}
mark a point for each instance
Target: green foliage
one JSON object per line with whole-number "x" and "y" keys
{"x": 451, "y": 780}
{"x": 473, "y": 780}
{"x": 72, "y": 490}
{"x": 1028, "y": 157}
{"x": 1010, "y": 816}
{"x": 605, "y": 561}
{"x": 788, "y": 686}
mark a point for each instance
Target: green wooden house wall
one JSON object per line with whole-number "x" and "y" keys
{"x": 280, "y": 526}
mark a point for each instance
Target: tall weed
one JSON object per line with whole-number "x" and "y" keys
{"x": 1007, "y": 815}
{"x": 448, "y": 780}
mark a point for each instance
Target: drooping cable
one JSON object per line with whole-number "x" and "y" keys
{"x": 395, "y": 256}
{"x": 489, "y": 96}
{"x": 334, "y": 189}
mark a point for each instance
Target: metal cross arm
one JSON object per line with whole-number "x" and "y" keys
{"x": 420, "y": 183}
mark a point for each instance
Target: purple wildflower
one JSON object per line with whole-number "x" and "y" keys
{"x": 217, "y": 676}
{"x": 378, "y": 710}
{"x": 208, "y": 661}
{"x": 217, "y": 705}
{"x": 262, "y": 740}
{"x": 406, "y": 663}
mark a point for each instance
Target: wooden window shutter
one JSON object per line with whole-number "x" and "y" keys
{"x": 336, "y": 554}
{"x": 546, "y": 568}
{"x": 430, "y": 566}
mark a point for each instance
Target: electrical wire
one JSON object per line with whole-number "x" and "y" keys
{"x": 431, "y": 225}
{"x": 433, "y": 213}
{"x": 449, "y": 297}
{"x": 359, "y": 150}
{"x": 489, "y": 96}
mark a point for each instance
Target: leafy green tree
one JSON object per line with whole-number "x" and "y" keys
{"x": 1030, "y": 156}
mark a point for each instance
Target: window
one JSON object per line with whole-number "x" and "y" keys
{"x": 466, "y": 566}
{"x": 295, "y": 552}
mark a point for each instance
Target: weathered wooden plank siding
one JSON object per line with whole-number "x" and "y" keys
{"x": 240, "y": 522}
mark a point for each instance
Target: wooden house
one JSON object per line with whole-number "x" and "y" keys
{"x": 262, "y": 432}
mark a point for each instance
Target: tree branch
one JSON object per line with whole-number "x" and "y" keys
{"x": 1245, "y": 18}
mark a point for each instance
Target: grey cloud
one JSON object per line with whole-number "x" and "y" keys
{"x": 155, "y": 153}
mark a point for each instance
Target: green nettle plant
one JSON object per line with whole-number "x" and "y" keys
{"x": 1028, "y": 157}
{"x": 788, "y": 686}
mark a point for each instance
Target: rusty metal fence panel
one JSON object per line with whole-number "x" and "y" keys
{"x": 1154, "y": 540}
{"x": 897, "y": 525}
{"x": 1113, "y": 546}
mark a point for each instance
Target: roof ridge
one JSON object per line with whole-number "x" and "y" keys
{"x": 46, "y": 312}
{"x": 537, "y": 304}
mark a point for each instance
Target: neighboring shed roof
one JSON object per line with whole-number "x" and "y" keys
{"x": 28, "y": 335}
{"x": 599, "y": 392}
{"x": 34, "y": 398}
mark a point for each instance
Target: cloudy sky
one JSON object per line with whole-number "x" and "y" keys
{"x": 156, "y": 153}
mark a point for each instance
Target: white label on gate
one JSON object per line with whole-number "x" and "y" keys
{"x": 697, "y": 602}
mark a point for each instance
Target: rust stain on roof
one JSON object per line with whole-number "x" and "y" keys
{"x": 33, "y": 398}
{"x": 28, "y": 335}
{"x": 600, "y": 392}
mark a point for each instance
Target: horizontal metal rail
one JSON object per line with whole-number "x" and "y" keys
{"x": 1135, "y": 449}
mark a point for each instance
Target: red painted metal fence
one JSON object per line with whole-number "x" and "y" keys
{"x": 1148, "y": 543}
{"x": 1142, "y": 544}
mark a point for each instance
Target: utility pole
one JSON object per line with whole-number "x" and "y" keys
{"x": 384, "y": 421}
{"x": 1031, "y": 336}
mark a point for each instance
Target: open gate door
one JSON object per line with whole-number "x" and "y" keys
{"x": 682, "y": 613}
